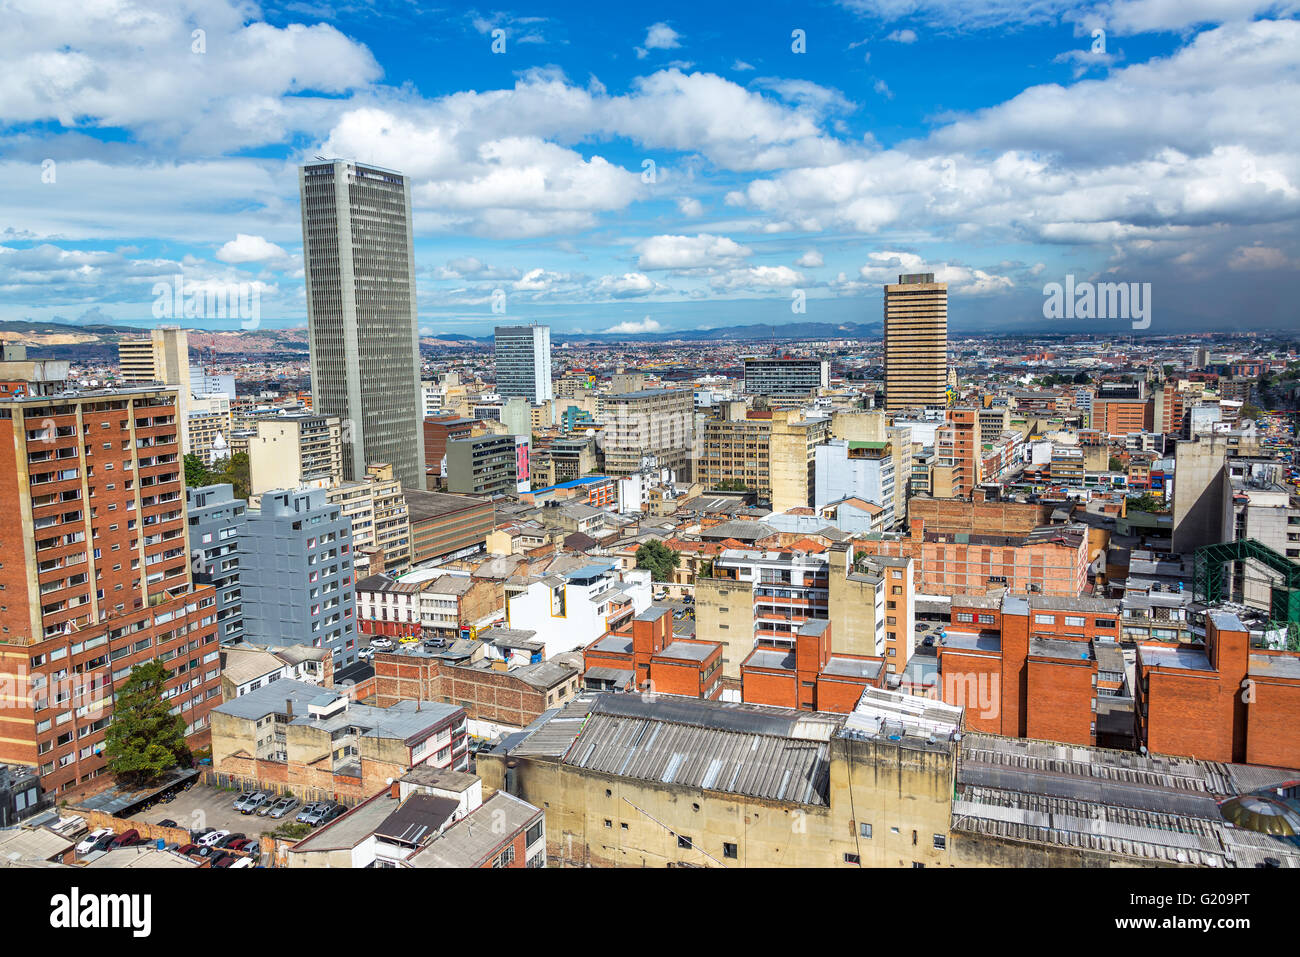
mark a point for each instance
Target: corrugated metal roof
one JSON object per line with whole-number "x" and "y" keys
{"x": 769, "y": 766}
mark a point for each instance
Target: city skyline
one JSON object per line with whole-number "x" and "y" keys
{"x": 614, "y": 176}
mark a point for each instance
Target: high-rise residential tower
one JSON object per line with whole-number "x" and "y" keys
{"x": 916, "y": 343}
{"x": 361, "y": 319}
{"x": 523, "y": 361}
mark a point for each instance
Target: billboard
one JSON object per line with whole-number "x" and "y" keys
{"x": 521, "y": 464}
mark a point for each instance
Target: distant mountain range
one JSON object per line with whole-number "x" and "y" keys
{"x": 98, "y": 341}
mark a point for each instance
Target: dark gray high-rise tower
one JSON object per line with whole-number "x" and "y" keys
{"x": 365, "y": 353}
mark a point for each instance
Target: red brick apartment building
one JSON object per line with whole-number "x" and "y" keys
{"x": 810, "y": 677}
{"x": 94, "y": 574}
{"x": 647, "y": 657}
{"x": 1221, "y": 701}
{"x": 1031, "y": 667}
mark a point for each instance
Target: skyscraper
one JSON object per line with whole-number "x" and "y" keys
{"x": 916, "y": 343}
{"x": 523, "y": 361}
{"x": 361, "y": 320}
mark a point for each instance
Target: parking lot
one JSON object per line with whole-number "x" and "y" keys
{"x": 203, "y": 806}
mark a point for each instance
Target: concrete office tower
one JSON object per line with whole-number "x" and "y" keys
{"x": 523, "y": 362}
{"x": 365, "y": 353}
{"x": 163, "y": 357}
{"x": 296, "y": 575}
{"x": 916, "y": 343}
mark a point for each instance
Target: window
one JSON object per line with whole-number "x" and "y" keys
{"x": 534, "y": 834}
{"x": 684, "y": 842}
{"x": 1044, "y": 619}
{"x": 507, "y": 857}
{"x": 729, "y": 851}
{"x": 608, "y": 822}
{"x": 1075, "y": 621}
{"x": 865, "y": 831}
{"x": 940, "y": 841}
{"x": 851, "y": 859}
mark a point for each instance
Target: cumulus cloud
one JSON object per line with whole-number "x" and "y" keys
{"x": 902, "y": 36}
{"x": 249, "y": 249}
{"x": 689, "y": 252}
{"x": 810, "y": 260}
{"x": 659, "y": 36}
{"x": 632, "y": 327}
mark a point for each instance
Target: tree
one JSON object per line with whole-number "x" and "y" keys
{"x": 196, "y": 474}
{"x": 145, "y": 740}
{"x": 1145, "y": 503}
{"x": 1115, "y": 465}
{"x": 234, "y": 470}
{"x": 731, "y": 485}
{"x": 1081, "y": 378}
{"x": 659, "y": 558}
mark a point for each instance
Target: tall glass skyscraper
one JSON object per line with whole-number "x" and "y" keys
{"x": 523, "y": 361}
{"x": 365, "y": 350}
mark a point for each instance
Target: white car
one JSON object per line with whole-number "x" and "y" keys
{"x": 208, "y": 840}
{"x": 381, "y": 644}
{"x": 365, "y": 654}
{"x": 89, "y": 840}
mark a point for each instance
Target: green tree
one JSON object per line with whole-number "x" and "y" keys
{"x": 196, "y": 474}
{"x": 1145, "y": 503}
{"x": 659, "y": 558}
{"x": 235, "y": 471}
{"x": 731, "y": 485}
{"x": 1115, "y": 465}
{"x": 145, "y": 740}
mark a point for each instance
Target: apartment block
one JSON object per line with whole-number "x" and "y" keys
{"x": 95, "y": 577}
{"x": 215, "y": 519}
{"x": 658, "y": 423}
{"x": 484, "y": 465}
{"x": 295, "y": 451}
{"x": 381, "y": 529}
{"x": 810, "y": 677}
{"x": 446, "y": 527}
{"x": 295, "y": 559}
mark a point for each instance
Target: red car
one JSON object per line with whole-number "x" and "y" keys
{"x": 188, "y": 849}
{"x": 238, "y": 845}
{"x": 126, "y": 839}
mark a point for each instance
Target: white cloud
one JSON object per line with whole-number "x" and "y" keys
{"x": 740, "y": 66}
{"x": 689, "y": 252}
{"x": 632, "y": 327}
{"x": 249, "y": 249}
{"x": 902, "y": 36}
{"x": 810, "y": 260}
{"x": 627, "y": 286}
{"x": 689, "y": 207}
{"x": 660, "y": 36}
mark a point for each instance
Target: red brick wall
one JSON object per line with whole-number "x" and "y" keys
{"x": 973, "y": 682}
{"x": 765, "y": 687}
{"x": 1272, "y": 720}
{"x": 1184, "y": 715}
{"x": 1060, "y": 701}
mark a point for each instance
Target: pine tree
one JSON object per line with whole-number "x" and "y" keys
{"x": 145, "y": 740}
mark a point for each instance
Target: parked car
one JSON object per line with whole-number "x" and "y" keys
{"x": 223, "y": 860}
{"x": 188, "y": 850}
{"x": 323, "y": 814}
{"x": 244, "y": 862}
{"x": 365, "y": 654}
{"x": 308, "y": 810}
{"x": 212, "y": 838}
{"x": 105, "y": 842}
{"x": 226, "y": 841}
{"x": 126, "y": 839}
{"x": 238, "y": 844}
{"x": 243, "y": 799}
{"x": 255, "y": 802}
{"x": 90, "y": 840}
{"x": 167, "y": 822}
{"x": 282, "y": 807}
{"x": 928, "y": 641}
{"x": 381, "y": 644}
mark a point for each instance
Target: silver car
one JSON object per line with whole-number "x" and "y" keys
{"x": 282, "y": 807}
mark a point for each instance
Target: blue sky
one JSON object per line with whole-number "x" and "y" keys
{"x": 629, "y": 168}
